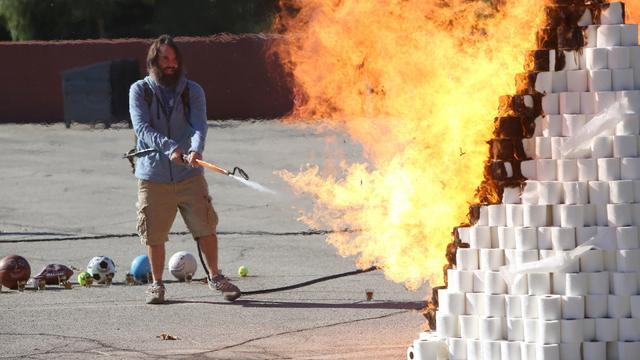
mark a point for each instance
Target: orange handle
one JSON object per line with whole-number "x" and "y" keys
{"x": 212, "y": 167}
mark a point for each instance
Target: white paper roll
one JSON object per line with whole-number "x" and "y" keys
{"x": 513, "y": 215}
{"x": 619, "y": 306}
{"x": 568, "y": 170}
{"x": 572, "y": 307}
{"x": 629, "y": 34}
{"x": 622, "y": 79}
{"x": 635, "y": 306}
{"x": 577, "y": 82}
{"x": 603, "y": 100}
{"x": 628, "y": 350}
{"x": 552, "y": 124}
{"x": 558, "y": 281}
{"x": 483, "y": 219}
{"x": 591, "y": 36}
{"x": 619, "y": 58}
{"x": 460, "y": 281}
{"x": 494, "y": 305}
{"x": 606, "y": 329}
{"x": 629, "y": 125}
{"x": 447, "y": 325}
{"x": 550, "y": 307}
{"x": 572, "y": 216}
{"x": 569, "y": 267}
{"x": 526, "y": 256}
{"x": 627, "y": 238}
{"x": 497, "y": 215}
{"x": 600, "y": 80}
{"x": 589, "y": 329}
{"x": 570, "y": 351}
{"x": 592, "y": 261}
{"x": 588, "y": 102}
{"x": 539, "y": 283}
{"x": 529, "y": 169}
{"x": 571, "y": 331}
{"x": 625, "y": 146}
{"x": 468, "y": 326}
{"x": 596, "y": 306}
{"x": 601, "y": 215}
{"x": 635, "y": 214}
{"x": 492, "y": 349}
{"x": 550, "y": 192}
{"x": 630, "y": 168}
{"x": 610, "y": 260}
{"x": 558, "y": 81}
{"x": 544, "y": 237}
{"x": 576, "y": 192}
{"x": 490, "y": 328}
{"x": 480, "y": 237}
{"x": 518, "y": 285}
{"x": 631, "y": 100}
{"x": 511, "y": 195}
{"x": 546, "y": 169}
{"x": 529, "y": 306}
{"x": 530, "y": 327}
{"x": 635, "y": 64}
{"x": 563, "y": 238}
{"x": 467, "y": 259}
{"x": 619, "y": 215}
{"x": 594, "y": 350}
{"x": 511, "y": 350}
{"x": 599, "y": 192}
{"x": 478, "y": 280}
{"x": 585, "y": 234}
{"x": 474, "y": 350}
{"x": 494, "y": 283}
{"x": 543, "y": 147}
{"x": 450, "y": 302}
{"x": 556, "y": 147}
{"x": 525, "y": 238}
{"x": 628, "y": 261}
{"x": 596, "y": 58}
{"x": 510, "y": 255}
{"x": 621, "y": 191}
{"x": 612, "y": 14}
{"x": 577, "y": 284}
{"x": 536, "y": 215}
{"x": 599, "y": 283}
{"x": 474, "y": 304}
{"x": 551, "y": 104}
{"x": 602, "y": 147}
{"x": 609, "y": 35}
{"x": 515, "y": 329}
{"x": 544, "y": 82}
{"x": 609, "y": 169}
{"x": 570, "y": 101}
{"x": 506, "y": 237}
{"x": 513, "y": 306}
{"x": 587, "y": 169}
{"x": 457, "y": 348}
{"x": 590, "y": 217}
{"x": 549, "y": 332}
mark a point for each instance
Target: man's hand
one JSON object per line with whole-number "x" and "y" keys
{"x": 176, "y": 156}
{"x": 193, "y": 156}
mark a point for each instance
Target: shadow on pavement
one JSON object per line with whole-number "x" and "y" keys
{"x": 387, "y": 305}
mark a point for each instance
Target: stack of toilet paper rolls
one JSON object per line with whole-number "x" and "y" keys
{"x": 591, "y": 308}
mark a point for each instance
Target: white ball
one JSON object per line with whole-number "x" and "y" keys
{"x": 181, "y": 264}
{"x": 99, "y": 267}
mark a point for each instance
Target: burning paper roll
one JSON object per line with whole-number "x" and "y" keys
{"x": 619, "y": 306}
{"x": 572, "y": 307}
{"x": 612, "y": 13}
{"x": 598, "y": 283}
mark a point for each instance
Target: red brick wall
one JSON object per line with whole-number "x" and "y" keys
{"x": 238, "y": 80}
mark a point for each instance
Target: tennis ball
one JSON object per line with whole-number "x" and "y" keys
{"x": 243, "y": 271}
{"x": 82, "y": 278}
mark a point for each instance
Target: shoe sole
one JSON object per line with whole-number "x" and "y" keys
{"x": 232, "y": 296}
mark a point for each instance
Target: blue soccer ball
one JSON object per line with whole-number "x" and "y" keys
{"x": 140, "y": 268}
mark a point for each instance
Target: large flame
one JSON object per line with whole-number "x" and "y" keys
{"x": 416, "y": 82}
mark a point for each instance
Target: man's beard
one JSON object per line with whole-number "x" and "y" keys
{"x": 168, "y": 80}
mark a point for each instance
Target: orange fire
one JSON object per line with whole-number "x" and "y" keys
{"x": 416, "y": 82}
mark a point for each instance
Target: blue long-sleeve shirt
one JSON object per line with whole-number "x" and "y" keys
{"x": 155, "y": 129}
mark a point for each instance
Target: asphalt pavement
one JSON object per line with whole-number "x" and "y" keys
{"x": 67, "y": 196}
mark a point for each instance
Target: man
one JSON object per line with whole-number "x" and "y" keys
{"x": 168, "y": 113}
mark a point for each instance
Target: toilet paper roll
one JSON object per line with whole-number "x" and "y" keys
{"x": 628, "y": 350}
{"x": 514, "y": 215}
{"x": 577, "y": 284}
{"x": 621, "y": 191}
{"x": 588, "y": 102}
{"x": 549, "y": 307}
{"x": 596, "y": 306}
{"x": 555, "y": 215}
{"x": 572, "y": 216}
{"x": 619, "y": 215}
{"x": 630, "y": 168}
{"x": 528, "y": 169}
{"x": 544, "y": 238}
{"x": 592, "y": 261}
{"x": 600, "y": 80}
{"x": 601, "y": 215}
{"x": 474, "y": 304}
{"x": 526, "y": 238}
{"x": 548, "y": 351}
{"x": 546, "y": 169}
{"x": 460, "y": 281}
{"x": 599, "y": 283}
{"x": 589, "y": 329}
{"x": 468, "y": 327}
{"x": 550, "y": 192}
{"x": 570, "y": 102}
{"x": 571, "y": 331}
{"x": 558, "y": 282}
{"x": 511, "y": 350}
{"x": 450, "y": 302}
{"x": 630, "y": 99}
{"x": 494, "y": 283}
{"x": 622, "y": 79}
{"x": 506, "y": 237}
{"x": 606, "y": 329}
{"x": 552, "y": 124}
{"x": 603, "y": 100}
{"x": 594, "y": 350}
{"x": 526, "y": 256}
{"x": 544, "y": 253}
{"x": 483, "y": 218}
{"x": 490, "y": 328}
{"x": 619, "y": 58}
{"x": 544, "y": 82}
{"x": 530, "y": 330}
{"x": 576, "y": 192}
{"x": 625, "y": 146}
{"x": 602, "y": 147}
{"x": 610, "y": 261}
{"x": 590, "y": 36}
{"x": 463, "y": 233}
{"x": 627, "y": 238}
{"x": 497, "y": 215}
{"x": 478, "y": 280}
{"x": 558, "y": 81}
{"x": 480, "y": 237}
{"x": 536, "y": 215}
{"x": 590, "y": 216}
{"x": 563, "y": 238}
{"x": 529, "y": 306}
{"x": 570, "y": 351}
{"x": 635, "y": 306}
{"x": 457, "y": 348}
{"x": 572, "y": 123}
{"x": 599, "y": 192}
{"x": 539, "y": 283}
{"x": 587, "y": 169}
{"x": 628, "y": 260}
{"x": 569, "y": 267}
{"x": 518, "y": 285}
{"x": 619, "y": 306}
{"x": 447, "y": 325}
{"x": 467, "y": 259}
{"x": 556, "y": 147}
{"x": 629, "y": 34}
{"x": 474, "y": 350}
{"x": 551, "y": 104}
{"x": 494, "y": 305}
{"x": 510, "y": 255}
{"x": 511, "y": 195}
{"x": 543, "y": 147}
{"x": 584, "y": 234}
{"x": 492, "y": 349}
{"x": 607, "y": 234}
{"x": 572, "y": 307}
{"x": 596, "y": 58}
{"x": 609, "y": 35}
{"x": 568, "y": 170}
{"x": 577, "y": 81}
{"x": 635, "y": 214}
{"x": 609, "y": 169}
{"x": 549, "y": 332}
{"x": 513, "y": 306}
{"x": 629, "y": 125}
{"x": 635, "y": 64}
{"x": 515, "y": 329}
{"x": 612, "y": 14}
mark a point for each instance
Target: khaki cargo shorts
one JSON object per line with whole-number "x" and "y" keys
{"x": 158, "y": 204}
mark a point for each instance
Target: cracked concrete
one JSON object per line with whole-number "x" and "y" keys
{"x": 66, "y": 196}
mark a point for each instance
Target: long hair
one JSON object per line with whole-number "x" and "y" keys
{"x": 154, "y": 53}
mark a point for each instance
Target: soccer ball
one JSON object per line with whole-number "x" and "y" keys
{"x": 101, "y": 266}
{"x": 181, "y": 264}
{"x": 140, "y": 268}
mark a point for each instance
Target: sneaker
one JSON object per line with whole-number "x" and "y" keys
{"x": 221, "y": 283}
{"x": 155, "y": 294}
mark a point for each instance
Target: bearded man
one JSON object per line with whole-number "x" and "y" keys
{"x": 168, "y": 113}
